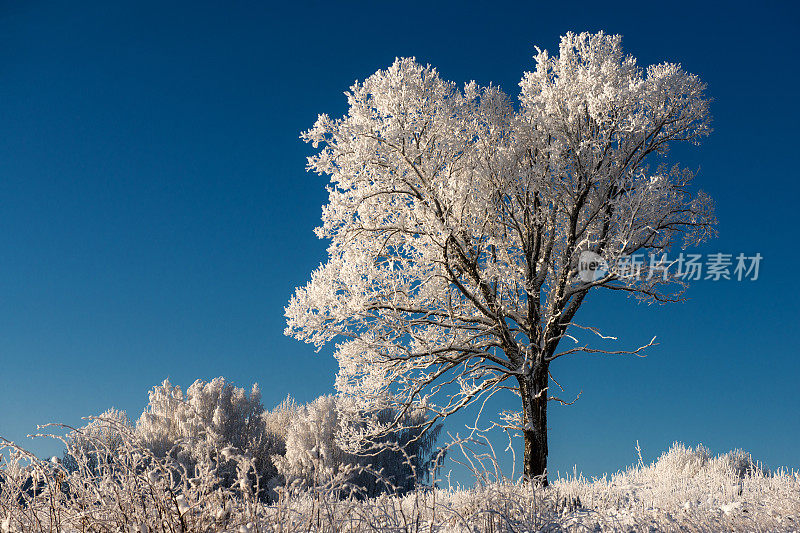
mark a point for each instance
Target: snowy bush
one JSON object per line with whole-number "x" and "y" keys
{"x": 97, "y": 442}
{"x": 313, "y": 457}
{"x": 211, "y": 420}
{"x": 218, "y": 423}
{"x": 131, "y": 491}
{"x": 279, "y": 420}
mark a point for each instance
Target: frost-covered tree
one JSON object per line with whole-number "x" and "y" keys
{"x": 456, "y": 219}
{"x": 280, "y": 418}
{"x": 311, "y": 455}
{"x": 215, "y": 420}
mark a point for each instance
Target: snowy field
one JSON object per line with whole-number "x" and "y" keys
{"x": 685, "y": 489}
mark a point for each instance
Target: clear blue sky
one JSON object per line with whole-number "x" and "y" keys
{"x": 155, "y": 214}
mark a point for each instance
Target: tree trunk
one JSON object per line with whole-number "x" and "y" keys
{"x": 533, "y": 389}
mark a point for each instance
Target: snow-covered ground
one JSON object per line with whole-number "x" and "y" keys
{"x": 685, "y": 489}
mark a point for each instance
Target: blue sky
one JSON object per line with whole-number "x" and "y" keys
{"x": 155, "y": 214}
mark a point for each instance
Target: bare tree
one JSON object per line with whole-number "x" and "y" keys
{"x": 457, "y": 219}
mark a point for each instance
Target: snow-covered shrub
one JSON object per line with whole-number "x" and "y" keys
{"x": 278, "y": 420}
{"x": 311, "y": 456}
{"x": 682, "y": 461}
{"x": 165, "y": 420}
{"x": 694, "y": 488}
{"x": 685, "y": 462}
{"x": 97, "y": 442}
{"x": 132, "y": 491}
{"x": 213, "y": 421}
{"x": 742, "y": 463}
{"x": 396, "y": 463}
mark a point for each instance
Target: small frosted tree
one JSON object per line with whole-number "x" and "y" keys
{"x": 457, "y": 218}
{"x": 212, "y": 419}
{"x": 313, "y": 456}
